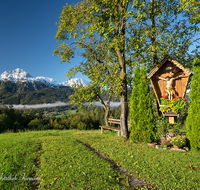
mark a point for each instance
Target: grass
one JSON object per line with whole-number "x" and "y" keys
{"x": 58, "y": 159}
{"x": 62, "y": 161}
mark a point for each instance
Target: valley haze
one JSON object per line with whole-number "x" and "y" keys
{"x": 57, "y": 104}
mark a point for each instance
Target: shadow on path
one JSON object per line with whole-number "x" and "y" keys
{"x": 132, "y": 180}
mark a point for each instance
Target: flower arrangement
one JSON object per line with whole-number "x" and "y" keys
{"x": 174, "y": 105}
{"x": 165, "y": 141}
{"x": 178, "y": 141}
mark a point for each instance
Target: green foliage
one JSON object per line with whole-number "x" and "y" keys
{"x": 36, "y": 124}
{"x": 5, "y": 122}
{"x": 16, "y": 120}
{"x": 193, "y": 118}
{"x": 192, "y": 10}
{"x": 163, "y": 127}
{"x": 142, "y": 124}
{"x": 175, "y": 105}
{"x": 134, "y": 113}
{"x": 8, "y": 94}
{"x": 178, "y": 141}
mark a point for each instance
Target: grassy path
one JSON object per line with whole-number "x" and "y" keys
{"x": 60, "y": 160}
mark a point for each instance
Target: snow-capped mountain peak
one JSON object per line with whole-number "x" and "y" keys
{"x": 75, "y": 81}
{"x": 15, "y": 75}
{"x": 19, "y": 75}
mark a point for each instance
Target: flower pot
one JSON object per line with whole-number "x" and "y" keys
{"x": 176, "y": 146}
{"x": 151, "y": 144}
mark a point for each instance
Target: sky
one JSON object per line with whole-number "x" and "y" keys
{"x": 27, "y": 38}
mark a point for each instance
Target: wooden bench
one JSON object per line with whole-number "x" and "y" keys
{"x": 111, "y": 128}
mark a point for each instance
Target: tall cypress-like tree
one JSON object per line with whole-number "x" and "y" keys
{"x": 143, "y": 124}
{"x": 134, "y": 103}
{"x": 193, "y": 118}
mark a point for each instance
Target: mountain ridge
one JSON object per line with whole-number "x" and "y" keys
{"x": 19, "y": 75}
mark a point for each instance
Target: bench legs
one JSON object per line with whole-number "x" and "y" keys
{"x": 101, "y": 130}
{"x": 119, "y": 133}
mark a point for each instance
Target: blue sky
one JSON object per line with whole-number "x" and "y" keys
{"x": 27, "y": 38}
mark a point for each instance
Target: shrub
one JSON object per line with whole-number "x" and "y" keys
{"x": 37, "y": 124}
{"x": 178, "y": 141}
{"x": 5, "y": 122}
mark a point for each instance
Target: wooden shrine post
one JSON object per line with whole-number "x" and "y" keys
{"x": 170, "y": 76}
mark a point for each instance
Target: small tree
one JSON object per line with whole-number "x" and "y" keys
{"x": 193, "y": 118}
{"x": 143, "y": 124}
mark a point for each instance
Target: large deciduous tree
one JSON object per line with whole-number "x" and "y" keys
{"x": 132, "y": 30}
{"x": 107, "y": 20}
{"x": 193, "y": 118}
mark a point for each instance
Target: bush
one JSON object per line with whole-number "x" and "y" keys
{"x": 5, "y": 123}
{"x": 37, "y": 124}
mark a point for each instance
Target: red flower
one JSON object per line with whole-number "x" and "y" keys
{"x": 184, "y": 99}
{"x": 164, "y": 96}
{"x": 175, "y": 95}
{"x": 165, "y": 99}
{"x": 174, "y": 99}
{"x": 164, "y": 91}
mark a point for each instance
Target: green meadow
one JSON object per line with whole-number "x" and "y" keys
{"x": 56, "y": 159}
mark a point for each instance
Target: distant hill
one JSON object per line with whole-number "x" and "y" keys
{"x": 45, "y": 95}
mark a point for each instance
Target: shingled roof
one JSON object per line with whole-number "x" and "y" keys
{"x": 168, "y": 58}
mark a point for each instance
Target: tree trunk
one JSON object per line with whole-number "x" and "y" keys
{"x": 120, "y": 34}
{"x": 106, "y": 114}
{"x": 124, "y": 107}
{"x": 106, "y": 107}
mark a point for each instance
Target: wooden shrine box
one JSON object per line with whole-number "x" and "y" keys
{"x": 169, "y": 67}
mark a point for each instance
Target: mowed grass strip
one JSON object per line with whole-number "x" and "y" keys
{"x": 164, "y": 169}
{"x": 18, "y": 153}
{"x": 67, "y": 163}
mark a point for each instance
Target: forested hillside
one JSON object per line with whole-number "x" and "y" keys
{"x": 28, "y": 93}
{"x": 10, "y": 95}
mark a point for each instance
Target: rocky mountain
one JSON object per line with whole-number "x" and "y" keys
{"x": 23, "y": 81}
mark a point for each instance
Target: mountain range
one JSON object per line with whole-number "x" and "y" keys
{"x": 19, "y": 87}
{"x": 19, "y": 75}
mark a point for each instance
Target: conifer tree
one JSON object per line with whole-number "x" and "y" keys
{"x": 143, "y": 125}
{"x": 193, "y": 118}
{"x": 134, "y": 102}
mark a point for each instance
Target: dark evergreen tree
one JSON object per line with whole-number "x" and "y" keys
{"x": 143, "y": 124}
{"x": 193, "y": 118}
